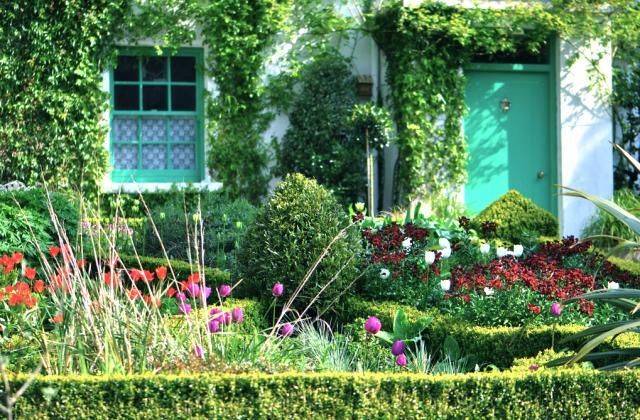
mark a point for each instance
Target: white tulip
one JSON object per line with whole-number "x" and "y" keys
{"x": 445, "y": 285}
{"x": 429, "y": 257}
{"x": 613, "y": 285}
{"x": 406, "y": 244}
{"x": 488, "y": 291}
{"x": 501, "y": 252}
{"x": 485, "y": 248}
{"x": 384, "y": 274}
{"x": 445, "y": 252}
{"x": 518, "y": 250}
{"x": 444, "y": 243}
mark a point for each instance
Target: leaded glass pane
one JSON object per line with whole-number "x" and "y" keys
{"x": 125, "y": 129}
{"x": 153, "y": 130}
{"x": 183, "y": 130}
{"x": 154, "y": 156}
{"x": 183, "y": 156}
{"x": 125, "y": 156}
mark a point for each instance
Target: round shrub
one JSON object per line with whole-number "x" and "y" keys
{"x": 289, "y": 234}
{"x": 515, "y": 217}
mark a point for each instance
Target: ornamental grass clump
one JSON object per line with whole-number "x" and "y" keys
{"x": 305, "y": 241}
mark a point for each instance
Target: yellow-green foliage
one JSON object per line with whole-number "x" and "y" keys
{"x": 631, "y": 266}
{"x": 516, "y": 216}
{"x": 495, "y": 345}
{"x": 570, "y": 394}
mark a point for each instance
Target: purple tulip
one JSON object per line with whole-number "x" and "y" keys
{"x": 205, "y": 292}
{"x": 286, "y": 330}
{"x": 237, "y": 314}
{"x": 184, "y": 308}
{"x": 215, "y": 311}
{"x": 181, "y": 297}
{"x": 556, "y": 309}
{"x": 226, "y": 318}
{"x": 193, "y": 289}
{"x": 397, "y": 348}
{"x": 224, "y": 290}
{"x": 373, "y": 325}
{"x": 277, "y": 290}
{"x": 198, "y": 351}
{"x": 401, "y": 360}
{"x": 214, "y": 326}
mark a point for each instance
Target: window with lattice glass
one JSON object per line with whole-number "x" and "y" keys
{"x": 156, "y": 116}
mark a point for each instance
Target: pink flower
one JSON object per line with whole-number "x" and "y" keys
{"x": 277, "y": 290}
{"x": 397, "y": 348}
{"x": 205, "y": 292}
{"x": 401, "y": 360}
{"x": 184, "y": 308}
{"x": 181, "y": 297}
{"x": 237, "y": 314}
{"x": 286, "y": 330}
{"x": 224, "y": 290}
{"x": 372, "y": 325}
{"x": 198, "y": 351}
{"x": 193, "y": 289}
{"x": 226, "y": 318}
{"x": 556, "y": 309}
{"x": 214, "y": 326}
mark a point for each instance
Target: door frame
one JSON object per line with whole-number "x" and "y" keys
{"x": 551, "y": 70}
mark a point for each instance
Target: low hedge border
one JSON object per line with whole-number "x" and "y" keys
{"x": 559, "y": 394}
{"x": 182, "y": 269}
{"x": 494, "y": 345}
{"x": 632, "y": 267}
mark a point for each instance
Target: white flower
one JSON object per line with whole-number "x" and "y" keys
{"x": 518, "y": 250}
{"x": 501, "y": 252}
{"x": 359, "y": 207}
{"x": 445, "y": 285}
{"x": 406, "y": 244}
{"x": 613, "y": 285}
{"x": 488, "y": 291}
{"x": 429, "y": 257}
{"x": 485, "y": 248}
{"x": 445, "y": 252}
{"x": 384, "y": 273}
{"x": 444, "y": 243}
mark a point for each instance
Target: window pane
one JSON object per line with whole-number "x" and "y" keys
{"x": 154, "y": 156}
{"x": 183, "y": 98}
{"x": 183, "y": 156}
{"x": 154, "y": 69}
{"x": 126, "y": 98}
{"x": 153, "y": 129}
{"x": 183, "y": 69}
{"x": 154, "y": 98}
{"x": 125, "y": 129}
{"x": 127, "y": 69}
{"x": 125, "y": 157}
{"x": 183, "y": 129}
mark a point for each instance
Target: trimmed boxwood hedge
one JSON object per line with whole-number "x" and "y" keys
{"x": 559, "y": 394}
{"x": 494, "y": 345}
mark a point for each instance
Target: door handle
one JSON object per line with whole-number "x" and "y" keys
{"x": 540, "y": 174}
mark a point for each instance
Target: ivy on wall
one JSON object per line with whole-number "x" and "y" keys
{"x": 51, "y": 101}
{"x": 428, "y": 46}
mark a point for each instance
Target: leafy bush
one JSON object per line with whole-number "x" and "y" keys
{"x": 515, "y": 217}
{"x": 25, "y": 219}
{"x": 604, "y": 223}
{"x": 289, "y": 234}
{"x": 223, "y": 222}
{"x": 320, "y": 140}
{"x": 570, "y": 394}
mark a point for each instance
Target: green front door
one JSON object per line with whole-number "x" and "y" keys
{"x": 509, "y": 136}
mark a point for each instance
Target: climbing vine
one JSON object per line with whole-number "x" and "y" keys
{"x": 428, "y": 46}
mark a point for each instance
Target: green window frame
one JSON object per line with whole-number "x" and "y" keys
{"x": 153, "y": 133}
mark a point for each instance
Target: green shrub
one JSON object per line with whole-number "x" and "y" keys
{"x": 517, "y": 217}
{"x": 223, "y": 221}
{"x": 604, "y": 223}
{"x": 320, "y": 141}
{"x": 290, "y": 233}
{"x": 564, "y": 394}
{"x": 495, "y": 345}
{"x": 25, "y": 219}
